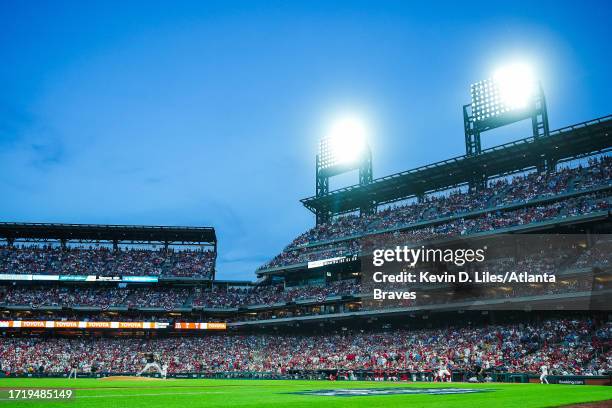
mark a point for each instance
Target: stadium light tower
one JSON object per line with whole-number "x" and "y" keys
{"x": 343, "y": 149}
{"x": 511, "y": 95}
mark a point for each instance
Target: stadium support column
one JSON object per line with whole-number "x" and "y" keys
{"x": 323, "y": 216}
{"x": 472, "y": 134}
{"x": 473, "y": 147}
{"x": 539, "y": 119}
{"x": 365, "y": 178}
{"x": 214, "y": 270}
{"x": 479, "y": 182}
{"x": 540, "y": 128}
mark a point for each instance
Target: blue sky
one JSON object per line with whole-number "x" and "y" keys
{"x": 209, "y": 113}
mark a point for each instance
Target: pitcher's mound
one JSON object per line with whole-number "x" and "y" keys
{"x": 128, "y": 378}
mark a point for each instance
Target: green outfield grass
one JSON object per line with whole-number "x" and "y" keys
{"x": 259, "y": 393}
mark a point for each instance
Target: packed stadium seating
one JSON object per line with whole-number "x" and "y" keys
{"x": 171, "y": 298}
{"x": 103, "y": 297}
{"x": 460, "y": 227}
{"x": 566, "y": 259}
{"x": 267, "y": 295}
{"x": 578, "y": 346}
{"x": 105, "y": 261}
{"x": 167, "y": 296}
{"x": 598, "y": 256}
{"x": 491, "y": 201}
{"x": 518, "y": 189}
{"x": 102, "y": 316}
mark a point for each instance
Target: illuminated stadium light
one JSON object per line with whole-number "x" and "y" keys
{"x": 511, "y": 95}
{"x": 345, "y": 144}
{"x": 344, "y": 148}
{"x": 516, "y": 84}
{"x": 512, "y": 88}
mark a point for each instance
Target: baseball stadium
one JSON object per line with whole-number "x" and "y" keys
{"x": 481, "y": 278}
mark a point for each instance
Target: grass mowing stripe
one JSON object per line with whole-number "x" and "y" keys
{"x": 90, "y": 393}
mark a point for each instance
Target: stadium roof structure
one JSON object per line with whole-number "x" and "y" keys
{"x": 568, "y": 143}
{"x": 90, "y": 233}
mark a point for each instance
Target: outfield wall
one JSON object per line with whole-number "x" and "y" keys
{"x": 324, "y": 375}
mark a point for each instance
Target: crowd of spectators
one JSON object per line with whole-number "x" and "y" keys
{"x": 169, "y": 297}
{"x": 598, "y": 256}
{"x": 491, "y": 200}
{"x": 268, "y": 295}
{"x": 101, "y": 260}
{"x": 491, "y": 221}
{"x": 577, "y": 347}
{"x": 103, "y": 316}
{"x": 507, "y": 191}
{"x": 565, "y": 259}
{"x": 102, "y": 297}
